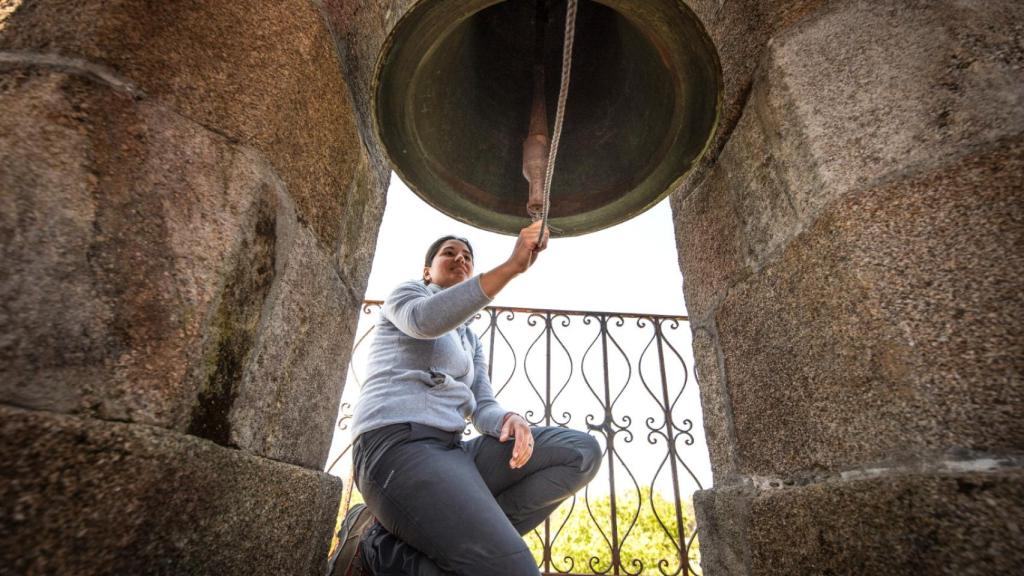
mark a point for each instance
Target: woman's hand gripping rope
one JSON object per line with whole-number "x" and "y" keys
{"x": 529, "y": 244}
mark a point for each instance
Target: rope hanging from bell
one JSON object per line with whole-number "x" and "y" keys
{"x": 538, "y": 153}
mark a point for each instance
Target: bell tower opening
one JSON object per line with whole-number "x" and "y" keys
{"x": 594, "y": 337}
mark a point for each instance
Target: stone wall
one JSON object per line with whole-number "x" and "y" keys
{"x": 852, "y": 267}
{"x": 188, "y": 217}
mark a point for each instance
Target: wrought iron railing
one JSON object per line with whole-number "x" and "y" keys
{"x": 612, "y": 374}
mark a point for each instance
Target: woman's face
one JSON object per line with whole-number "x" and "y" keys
{"x": 452, "y": 264}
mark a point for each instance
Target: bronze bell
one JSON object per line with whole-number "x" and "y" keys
{"x": 455, "y": 87}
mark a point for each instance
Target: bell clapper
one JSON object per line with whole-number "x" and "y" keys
{"x": 536, "y": 148}
{"x": 537, "y": 145}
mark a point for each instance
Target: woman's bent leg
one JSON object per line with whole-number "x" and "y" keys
{"x": 427, "y": 493}
{"x": 563, "y": 462}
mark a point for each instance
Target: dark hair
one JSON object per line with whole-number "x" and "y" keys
{"x": 436, "y": 246}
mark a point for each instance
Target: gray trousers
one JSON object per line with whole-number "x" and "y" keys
{"x": 445, "y": 506}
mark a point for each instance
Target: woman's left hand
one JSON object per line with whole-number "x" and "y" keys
{"x": 516, "y": 427}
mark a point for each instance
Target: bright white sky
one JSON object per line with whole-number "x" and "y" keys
{"x": 631, "y": 267}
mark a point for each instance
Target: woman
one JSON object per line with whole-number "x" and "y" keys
{"x": 444, "y": 506}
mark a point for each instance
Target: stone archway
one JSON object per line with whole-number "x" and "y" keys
{"x": 190, "y": 199}
{"x": 852, "y": 264}
{"x": 188, "y": 219}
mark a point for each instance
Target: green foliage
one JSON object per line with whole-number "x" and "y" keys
{"x": 580, "y": 539}
{"x": 641, "y": 537}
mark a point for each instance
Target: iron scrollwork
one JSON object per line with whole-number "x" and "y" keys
{"x": 592, "y": 364}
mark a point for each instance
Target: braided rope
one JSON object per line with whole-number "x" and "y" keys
{"x": 563, "y": 94}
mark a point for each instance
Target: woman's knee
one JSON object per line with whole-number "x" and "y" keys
{"x": 578, "y": 451}
{"x": 590, "y": 455}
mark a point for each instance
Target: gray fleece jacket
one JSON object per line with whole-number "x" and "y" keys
{"x": 426, "y": 366}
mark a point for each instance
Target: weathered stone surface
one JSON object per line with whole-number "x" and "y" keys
{"x": 868, "y": 90}
{"x": 820, "y": 122}
{"x": 879, "y": 92}
{"x": 118, "y": 218}
{"x": 159, "y": 274}
{"x": 706, "y": 10}
{"x": 723, "y": 518}
{"x": 753, "y": 214}
{"x": 741, "y": 31}
{"x": 892, "y": 325}
{"x": 770, "y": 181}
{"x": 261, "y": 72}
{"x": 288, "y": 397}
{"x": 360, "y": 28}
{"x": 741, "y": 214}
{"x": 951, "y": 524}
{"x": 80, "y": 496}
{"x": 357, "y": 241}
{"x": 766, "y": 170}
{"x": 717, "y": 408}
{"x": 710, "y": 243}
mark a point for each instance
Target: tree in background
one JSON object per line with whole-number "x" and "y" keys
{"x": 642, "y": 539}
{"x": 580, "y": 539}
